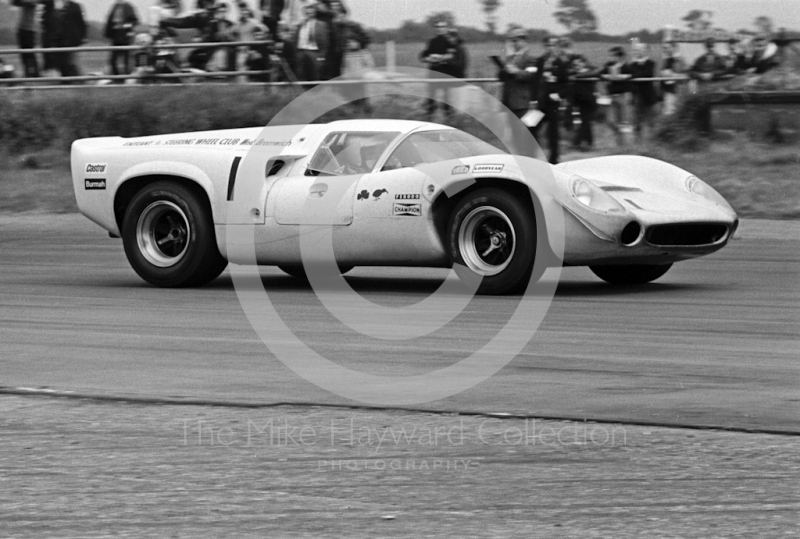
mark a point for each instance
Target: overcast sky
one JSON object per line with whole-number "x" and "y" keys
{"x": 615, "y": 16}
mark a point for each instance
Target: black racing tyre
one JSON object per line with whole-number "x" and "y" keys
{"x": 168, "y": 234}
{"x": 631, "y": 273}
{"x": 299, "y": 272}
{"x": 493, "y": 233}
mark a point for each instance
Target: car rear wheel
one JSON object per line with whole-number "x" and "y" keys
{"x": 630, "y": 274}
{"x": 168, "y": 235}
{"x": 493, "y": 234}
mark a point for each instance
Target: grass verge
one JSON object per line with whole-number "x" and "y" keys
{"x": 758, "y": 177}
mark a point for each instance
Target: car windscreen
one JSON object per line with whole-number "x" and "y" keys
{"x": 350, "y": 152}
{"x": 435, "y": 146}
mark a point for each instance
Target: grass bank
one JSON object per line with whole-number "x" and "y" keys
{"x": 758, "y": 176}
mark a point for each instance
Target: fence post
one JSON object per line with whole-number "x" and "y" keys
{"x": 391, "y": 56}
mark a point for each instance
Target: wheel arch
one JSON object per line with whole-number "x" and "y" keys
{"x": 133, "y": 184}
{"x": 443, "y": 206}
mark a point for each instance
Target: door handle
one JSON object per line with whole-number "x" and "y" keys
{"x": 318, "y": 189}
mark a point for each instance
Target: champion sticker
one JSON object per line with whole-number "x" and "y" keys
{"x": 90, "y": 185}
{"x": 407, "y": 197}
{"x": 488, "y": 168}
{"x": 96, "y": 168}
{"x": 463, "y": 169}
{"x": 407, "y": 209}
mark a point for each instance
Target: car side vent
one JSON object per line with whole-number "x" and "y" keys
{"x": 686, "y": 234}
{"x": 275, "y": 168}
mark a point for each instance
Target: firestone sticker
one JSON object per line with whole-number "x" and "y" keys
{"x": 414, "y": 210}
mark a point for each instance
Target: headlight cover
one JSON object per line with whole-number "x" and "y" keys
{"x": 593, "y": 197}
{"x": 700, "y": 188}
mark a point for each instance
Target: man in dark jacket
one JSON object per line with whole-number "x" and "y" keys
{"x": 517, "y": 74}
{"x": 617, "y": 72}
{"x": 312, "y": 41}
{"x": 762, "y": 59}
{"x": 26, "y": 35}
{"x": 63, "y": 25}
{"x": 645, "y": 95}
{"x": 710, "y": 66}
{"x": 119, "y": 29}
{"x": 439, "y": 58}
{"x": 271, "y": 14}
{"x": 552, "y": 79}
{"x": 585, "y": 100}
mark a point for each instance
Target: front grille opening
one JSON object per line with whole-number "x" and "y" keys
{"x": 630, "y": 233}
{"x": 686, "y": 234}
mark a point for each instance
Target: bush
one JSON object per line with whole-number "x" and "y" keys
{"x": 689, "y": 128}
{"x": 54, "y": 119}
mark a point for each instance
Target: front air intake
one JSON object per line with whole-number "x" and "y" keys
{"x": 686, "y": 234}
{"x": 630, "y": 234}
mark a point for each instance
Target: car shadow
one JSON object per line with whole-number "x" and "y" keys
{"x": 424, "y": 286}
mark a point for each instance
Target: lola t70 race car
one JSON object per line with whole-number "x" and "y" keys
{"x": 174, "y": 198}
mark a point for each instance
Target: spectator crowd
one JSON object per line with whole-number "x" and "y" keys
{"x": 311, "y": 40}
{"x": 562, "y": 90}
{"x": 288, "y": 40}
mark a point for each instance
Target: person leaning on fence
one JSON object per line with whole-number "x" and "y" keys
{"x": 617, "y": 72}
{"x": 438, "y": 56}
{"x": 258, "y": 57}
{"x": 63, "y": 25}
{"x": 458, "y": 52}
{"x": 284, "y": 55}
{"x": 26, "y": 35}
{"x": 585, "y": 100}
{"x": 644, "y": 93}
{"x": 252, "y": 57}
{"x": 312, "y": 40}
{"x": 552, "y": 78}
{"x": 672, "y": 64}
{"x": 710, "y": 66}
{"x": 736, "y": 59}
{"x": 120, "y": 23}
{"x": 763, "y": 57}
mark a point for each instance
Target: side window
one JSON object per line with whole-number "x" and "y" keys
{"x": 349, "y": 153}
{"x": 404, "y": 156}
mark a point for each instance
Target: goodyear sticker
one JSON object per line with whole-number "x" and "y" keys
{"x": 414, "y": 210}
{"x": 488, "y": 168}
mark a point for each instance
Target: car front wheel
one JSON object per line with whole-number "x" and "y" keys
{"x": 631, "y": 273}
{"x": 169, "y": 239}
{"x": 493, "y": 234}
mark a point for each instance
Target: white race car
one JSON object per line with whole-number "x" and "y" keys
{"x": 418, "y": 194}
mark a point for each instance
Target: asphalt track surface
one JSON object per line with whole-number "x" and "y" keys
{"x": 714, "y": 343}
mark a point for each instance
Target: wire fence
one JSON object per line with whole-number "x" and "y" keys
{"x": 195, "y": 76}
